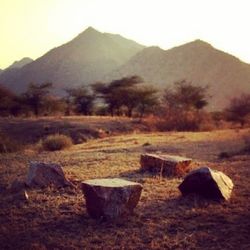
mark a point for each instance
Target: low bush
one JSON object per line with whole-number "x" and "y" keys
{"x": 56, "y": 142}
{"x": 175, "y": 120}
{"x": 224, "y": 155}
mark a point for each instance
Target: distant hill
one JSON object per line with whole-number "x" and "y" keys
{"x": 20, "y": 63}
{"x": 196, "y": 61}
{"x": 85, "y": 59}
{"x": 94, "y": 56}
{"x": 13, "y": 70}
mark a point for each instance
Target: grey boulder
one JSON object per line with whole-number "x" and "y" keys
{"x": 208, "y": 183}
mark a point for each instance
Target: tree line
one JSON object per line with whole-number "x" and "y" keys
{"x": 182, "y": 105}
{"x": 127, "y": 96}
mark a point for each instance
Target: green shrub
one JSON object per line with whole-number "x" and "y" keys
{"x": 56, "y": 142}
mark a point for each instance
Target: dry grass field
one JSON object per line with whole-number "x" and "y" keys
{"x": 57, "y": 218}
{"x": 81, "y": 128}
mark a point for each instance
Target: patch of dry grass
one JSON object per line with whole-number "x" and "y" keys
{"x": 57, "y": 219}
{"x": 8, "y": 145}
{"x": 56, "y": 142}
{"x": 79, "y": 128}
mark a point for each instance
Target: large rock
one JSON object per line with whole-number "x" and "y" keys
{"x": 209, "y": 183}
{"x": 110, "y": 198}
{"x": 169, "y": 165}
{"x": 45, "y": 174}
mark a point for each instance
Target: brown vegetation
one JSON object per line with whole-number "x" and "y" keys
{"x": 7, "y": 144}
{"x": 239, "y": 109}
{"x": 56, "y": 142}
{"x": 28, "y": 131}
{"x": 180, "y": 108}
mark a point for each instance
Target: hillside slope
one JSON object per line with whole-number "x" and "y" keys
{"x": 197, "y": 62}
{"x": 85, "y": 59}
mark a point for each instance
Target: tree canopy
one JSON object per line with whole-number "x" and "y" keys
{"x": 128, "y": 93}
{"x": 239, "y": 109}
{"x": 186, "y": 96}
{"x": 36, "y": 94}
{"x": 81, "y": 99}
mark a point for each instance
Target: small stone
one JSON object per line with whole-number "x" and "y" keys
{"x": 45, "y": 174}
{"x": 169, "y": 165}
{"x": 208, "y": 183}
{"x": 110, "y": 198}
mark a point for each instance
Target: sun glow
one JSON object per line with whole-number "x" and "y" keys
{"x": 32, "y": 27}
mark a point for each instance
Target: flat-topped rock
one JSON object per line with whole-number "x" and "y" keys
{"x": 110, "y": 182}
{"x": 208, "y": 183}
{"x": 45, "y": 174}
{"x": 169, "y": 165}
{"x": 110, "y": 198}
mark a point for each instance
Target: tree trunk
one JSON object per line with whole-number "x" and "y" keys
{"x": 130, "y": 111}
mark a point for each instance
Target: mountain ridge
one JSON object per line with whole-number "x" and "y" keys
{"x": 84, "y": 59}
{"x": 94, "y": 56}
{"x": 20, "y": 63}
{"x": 197, "y": 62}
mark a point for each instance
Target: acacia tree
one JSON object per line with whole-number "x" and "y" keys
{"x": 8, "y": 101}
{"x": 81, "y": 98}
{"x": 35, "y": 96}
{"x": 127, "y": 92}
{"x": 109, "y": 95}
{"x": 183, "y": 105}
{"x": 53, "y": 104}
{"x": 186, "y": 96}
{"x": 118, "y": 93}
{"x": 239, "y": 109}
{"x": 148, "y": 100}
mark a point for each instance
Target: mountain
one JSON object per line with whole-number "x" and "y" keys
{"x": 20, "y": 63}
{"x": 197, "y": 62}
{"x": 94, "y": 56}
{"x": 85, "y": 59}
{"x": 13, "y": 70}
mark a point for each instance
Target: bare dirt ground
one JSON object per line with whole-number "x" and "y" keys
{"x": 57, "y": 219}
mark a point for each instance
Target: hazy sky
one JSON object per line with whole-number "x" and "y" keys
{"x": 32, "y": 27}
